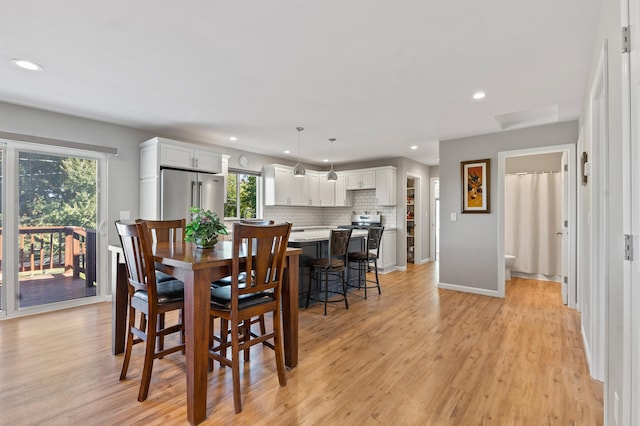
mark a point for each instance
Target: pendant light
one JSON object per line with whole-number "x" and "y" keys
{"x": 332, "y": 176}
{"x": 298, "y": 170}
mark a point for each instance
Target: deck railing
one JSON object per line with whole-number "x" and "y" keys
{"x": 43, "y": 248}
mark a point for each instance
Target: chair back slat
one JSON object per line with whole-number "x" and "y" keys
{"x": 264, "y": 247}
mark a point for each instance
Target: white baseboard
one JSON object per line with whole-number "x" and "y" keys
{"x": 423, "y": 261}
{"x": 587, "y": 352}
{"x": 387, "y": 269}
{"x": 465, "y": 289}
{"x": 401, "y": 268}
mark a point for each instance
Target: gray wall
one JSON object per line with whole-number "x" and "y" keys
{"x": 469, "y": 246}
{"x": 123, "y": 170}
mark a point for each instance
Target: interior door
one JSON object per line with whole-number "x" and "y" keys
{"x": 564, "y": 173}
{"x": 632, "y": 274}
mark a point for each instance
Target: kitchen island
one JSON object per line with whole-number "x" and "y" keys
{"x": 314, "y": 242}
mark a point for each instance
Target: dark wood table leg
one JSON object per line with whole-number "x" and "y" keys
{"x": 197, "y": 296}
{"x": 119, "y": 306}
{"x": 290, "y": 311}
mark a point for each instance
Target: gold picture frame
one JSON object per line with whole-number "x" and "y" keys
{"x": 476, "y": 178}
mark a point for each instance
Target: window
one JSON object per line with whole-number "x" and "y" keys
{"x": 242, "y": 195}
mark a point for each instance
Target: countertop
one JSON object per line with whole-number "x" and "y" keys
{"x": 322, "y": 234}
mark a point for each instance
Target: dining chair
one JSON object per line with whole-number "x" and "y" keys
{"x": 261, "y": 249}
{"x": 334, "y": 264}
{"x": 242, "y": 278}
{"x": 149, "y": 299}
{"x": 171, "y": 230}
{"x": 366, "y": 261}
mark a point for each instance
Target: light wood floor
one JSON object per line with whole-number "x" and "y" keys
{"x": 414, "y": 356}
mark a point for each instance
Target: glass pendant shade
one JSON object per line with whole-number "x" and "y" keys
{"x": 299, "y": 170}
{"x": 332, "y": 176}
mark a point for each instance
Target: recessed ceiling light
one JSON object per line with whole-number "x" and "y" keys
{"x": 233, "y": 138}
{"x": 326, "y": 160}
{"x": 27, "y": 65}
{"x": 286, "y": 151}
{"x": 479, "y": 95}
{"x": 414, "y": 147}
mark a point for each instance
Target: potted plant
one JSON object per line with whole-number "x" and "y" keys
{"x": 204, "y": 228}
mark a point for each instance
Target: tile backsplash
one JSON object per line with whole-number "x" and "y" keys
{"x": 364, "y": 202}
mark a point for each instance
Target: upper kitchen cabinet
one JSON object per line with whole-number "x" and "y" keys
{"x": 343, "y": 198}
{"x": 361, "y": 179}
{"x": 282, "y": 188}
{"x": 160, "y": 152}
{"x": 386, "y": 186}
{"x": 326, "y": 191}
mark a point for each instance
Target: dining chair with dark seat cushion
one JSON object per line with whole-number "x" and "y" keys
{"x": 237, "y": 303}
{"x": 164, "y": 231}
{"x": 225, "y": 281}
{"x": 149, "y": 299}
{"x": 334, "y": 264}
{"x": 366, "y": 260}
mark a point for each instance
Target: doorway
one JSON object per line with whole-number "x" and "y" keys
{"x": 566, "y": 233}
{"x": 413, "y": 217}
{"x": 435, "y": 219}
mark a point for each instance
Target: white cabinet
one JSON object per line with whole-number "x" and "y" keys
{"x": 387, "y": 261}
{"x": 326, "y": 191}
{"x": 161, "y": 152}
{"x": 386, "y": 186}
{"x": 313, "y": 187}
{"x": 361, "y": 179}
{"x": 343, "y": 198}
{"x": 157, "y": 153}
{"x": 282, "y": 188}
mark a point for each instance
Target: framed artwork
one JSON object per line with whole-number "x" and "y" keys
{"x": 475, "y": 186}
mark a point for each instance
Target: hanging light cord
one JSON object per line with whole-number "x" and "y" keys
{"x": 332, "y": 140}
{"x": 299, "y": 129}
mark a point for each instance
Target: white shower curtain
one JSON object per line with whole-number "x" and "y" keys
{"x": 533, "y": 216}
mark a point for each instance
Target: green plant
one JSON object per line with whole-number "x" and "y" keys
{"x": 204, "y": 227}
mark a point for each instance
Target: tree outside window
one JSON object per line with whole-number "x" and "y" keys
{"x": 241, "y": 196}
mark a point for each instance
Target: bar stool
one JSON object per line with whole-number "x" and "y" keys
{"x": 333, "y": 264}
{"x": 367, "y": 260}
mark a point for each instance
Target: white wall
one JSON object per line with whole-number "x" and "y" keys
{"x": 615, "y": 368}
{"x": 468, "y": 246}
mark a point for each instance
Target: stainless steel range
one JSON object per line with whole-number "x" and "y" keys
{"x": 363, "y": 221}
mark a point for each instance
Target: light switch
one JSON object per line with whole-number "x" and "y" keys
{"x": 125, "y": 215}
{"x": 454, "y": 217}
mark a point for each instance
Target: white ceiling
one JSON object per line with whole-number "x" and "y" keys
{"x": 378, "y": 75}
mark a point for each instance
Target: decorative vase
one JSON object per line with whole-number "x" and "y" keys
{"x": 206, "y": 243}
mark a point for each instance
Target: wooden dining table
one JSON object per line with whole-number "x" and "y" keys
{"x": 197, "y": 268}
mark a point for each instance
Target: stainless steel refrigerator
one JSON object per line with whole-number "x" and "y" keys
{"x": 180, "y": 189}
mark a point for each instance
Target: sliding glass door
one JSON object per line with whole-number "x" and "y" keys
{"x": 57, "y": 228}
{"x": 50, "y": 244}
